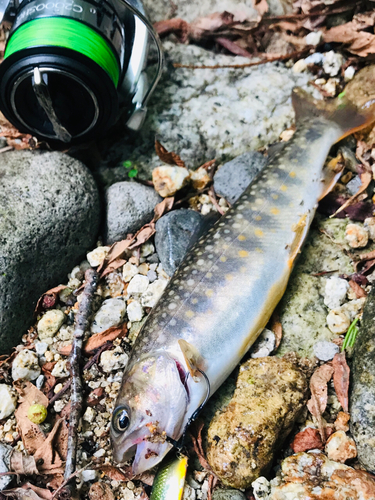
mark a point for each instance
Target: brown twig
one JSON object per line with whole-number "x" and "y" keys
{"x": 61, "y": 488}
{"x": 81, "y": 325}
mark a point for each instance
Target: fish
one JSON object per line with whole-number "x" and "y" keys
{"x": 170, "y": 479}
{"x": 224, "y": 292}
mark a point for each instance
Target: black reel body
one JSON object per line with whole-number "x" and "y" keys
{"x": 71, "y": 66}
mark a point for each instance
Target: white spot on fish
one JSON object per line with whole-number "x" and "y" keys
{"x": 200, "y": 262}
{"x": 172, "y": 305}
{"x": 190, "y": 282}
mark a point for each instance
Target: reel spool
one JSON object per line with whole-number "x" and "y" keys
{"x": 71, "y": 65}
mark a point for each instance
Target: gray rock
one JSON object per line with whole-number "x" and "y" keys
{"x": 176, "y": 232}
{"x": 354, "y": 184}
{"x": 362, "y": 396}
{"x": 207, "y": 113}
{"x": 130, "y": 205}
{"x": 233, "y": 177}
{"x": 325, "y": 350}
{"x": 220, "y": 494}
{"x": 5, "y": 454}
{"x": 49, "y": 219}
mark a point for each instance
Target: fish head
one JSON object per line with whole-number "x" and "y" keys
{"x": 151, "y": 406}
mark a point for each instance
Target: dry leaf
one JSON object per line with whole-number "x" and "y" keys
{"x": 357, "y": 289}
{"x": 233, "y": 47}
{"x": 276, "y": 327}
{"x": 14, "y": 137}
{"x": 318, "y": 401}
{"x": 163, "y": 207}
{"x": 101, "y": 491}
{"x": 308, "y": 439}
{"x": 204, "y": 27}
{"x": 198, "y": 448}
{"x": 28, "y": 492}
{"x": 366, "y": 178}
{"x": 98, "y": 340}
{"x": 23, "y": 464}
{"x": 166, "y": 156}
{"x": 341, "y": 379}
{"x": 32, "y": 437}
{"x": 53, "y": 292}
{"x": 47, "y": 454}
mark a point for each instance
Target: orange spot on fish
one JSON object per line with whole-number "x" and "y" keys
{"x": 223, "y": 258}
{"x": 243, "y": 253}
{"x": 229, "y": 277}
{"x": 283, "y": 187}
{"x": 292, "y": 174}
{"x": 275, "y": 211}
{"x": 274, "y": 196}
{"x": 242, "y": 237}
{"x": 189, "y": 314}
{"x": 259, "y": 233}
{"x": 258, "y": 217}
{"x": 209, "y": 292}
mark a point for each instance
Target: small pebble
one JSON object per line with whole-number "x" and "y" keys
{"x": 97, "y": 256}
{"x": 356, "y": 236}
{"x": 153, "y": 293}
{"x": 100, "y": 453}
{"x": 59, "y": 406}
{"x": 337, "y": 321}
{"x": 147, "y": 249}
{"x": 111, "y": 313}
{"x": 60, "y": 369}
{"x": 89, "y": 415}
{"x": 57, "y": 388}
{"x": 369, "y": 225}
{"x": 8, "y": 401}
{"x": 169, "y": 179}
{"x": 39, "y": 382}
{"x": 261, "y": 488}
{"x": 200, "y": 178}
{"x": 88, "y": 475}
{"x": 314, "y": 38}
{"x": 152, "y": 276}
{"x": 129, "y": 271}
{"x": 264, "y": 345}
{"x": 325, "y": 350}
{"x": 40, "y": 348}
{"x": 138, "y": 285}
{"x": 25, "y": 366}
{"x": 299, "y": 66}
{"x": 332, "y": 63}
{"x": 143, "y": 269}
{"x": 50, "y": 323}
{"x": 335, "y": 292}
{"x": 113, "y": 360}
{"x": 316, "y": 58}
{"x": 353, "y": 308}
{"x": 349, "y": 73}
{"x": 134, "y": 311}
{"x": 340, "y": 447}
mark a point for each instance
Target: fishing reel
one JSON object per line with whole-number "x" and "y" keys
{"x": 72, "y": 66}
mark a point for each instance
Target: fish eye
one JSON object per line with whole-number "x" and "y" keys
{"x": 120, "y": 419}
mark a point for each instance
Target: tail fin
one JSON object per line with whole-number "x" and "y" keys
{"x": 345, "y": 113}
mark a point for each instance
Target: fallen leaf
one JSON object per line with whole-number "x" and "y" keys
{"x": 307, "y": 440}
{"x": 163, "y": 207}
{"x": 358, "y": 211}
{"x": 53, "y": 292}
{"x": 98, "y": 340}
{"x": 166, "y": 156}
{"x": 32, "y": 437}
{"x": 366, "y": 178}
{"x": 341, "y": 379}
{"x": 319, "y": 395}
{"x": 204, "y": 27}
{"x": 357, "y": 289}
{"x": 47, "y": 454}
{"x": 101, "y": 491}
{"x": 14, "y": 137}
{"x": 28, "y": 492}
{"x": 233, "y": 47}
{"x": 341, "y": 422}
{"x": 276, "y": 327}
{"x": 23, "y": 464}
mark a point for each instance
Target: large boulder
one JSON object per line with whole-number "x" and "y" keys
{"x": 49, "y": 218}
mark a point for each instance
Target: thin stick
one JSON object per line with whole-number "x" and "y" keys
{"x": 81, "y": 325}
{"x": 62, "y": 486}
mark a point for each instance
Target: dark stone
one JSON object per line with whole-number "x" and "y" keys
{"x": 233, "y": 177}
{"x": 49, "y": 219}
{"x": 130, "y": 205}
{"x": 176, "y": 232}
{"x": 362, "y": 396}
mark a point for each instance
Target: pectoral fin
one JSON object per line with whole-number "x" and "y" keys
{"x": 330, "y": 175}
{"x": 192, "y": 357}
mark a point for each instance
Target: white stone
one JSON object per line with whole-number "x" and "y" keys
{"x": 325, "y": 350}
{"x": 40, "y": 381}
{"x": 206, "y": 208}
{"x": 40, "y": 348}
{"x": 332, "y": 63}
{"x": 25, "y": 366}
{"x": 264, "y": 345}
{"x": 129, "y": 271}
{"x": 59, "y": 406}
{"x": 60, "y": 369}
{"x": 8, "y": 401}
{"x": 111, "y": 313}
{"x": 335, "y": 292}
{"x": 316, "y": 58}
{"x": 135, "y": 311}
{"x": 349, "y": 73}
{"x": 353, "y": 308}
{"x": 189, "y": 493}
{"x": 153, "y": 293}
{"x": 88, "y": 475}
{"x": 5, "y": 454}
{"x": 337, "y": 321}
{"x": 261, "y": 488}
{"x": 138, "y": 285}
{"x": 299, "y": 66}
{"x": 169, "y": 179}
{"x": 143, "y": 269}
{"x": 356, "y": 236}
{"x": 89, "y": 415}
{"x": 162, "y": 274}
{"x": 66, "y": 333}
{"x": 369, "y": 225}
{"x": 152, "y": 276}
{"x": 314, "y": 38}
{"x": 50, "y": 323}
{"x": 147, "y": 249}
{"x": 76, "y": 273}
{"x": 100, "y": 453}
{"x": 97, "y": 256}
{"x": 113, "y": 360}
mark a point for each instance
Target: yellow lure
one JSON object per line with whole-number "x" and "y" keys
{"x": 170, "y": 479}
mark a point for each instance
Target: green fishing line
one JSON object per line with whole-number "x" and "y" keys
{"x": 67, "y": 33}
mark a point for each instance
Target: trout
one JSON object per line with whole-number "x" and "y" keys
{"x": 223, "y": 294}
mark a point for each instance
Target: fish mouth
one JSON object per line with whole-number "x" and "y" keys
{"x": 146, "y": 454}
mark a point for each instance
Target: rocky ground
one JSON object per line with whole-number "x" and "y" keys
{"x": 53, "y": 225}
